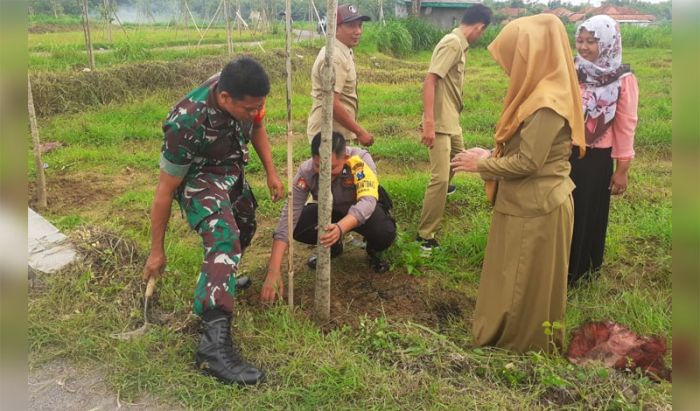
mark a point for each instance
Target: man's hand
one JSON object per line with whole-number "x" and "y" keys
{"x": 276, "y": 187}
{"x": 428, "y": 134}
{"x": 332, "y": 235}
{"x": 365, "y": 138}
{"x": 273, "y": 287}
{"x": 155, "y": 266}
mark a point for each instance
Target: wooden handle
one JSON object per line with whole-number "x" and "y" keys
{"x": 150, "y": 287}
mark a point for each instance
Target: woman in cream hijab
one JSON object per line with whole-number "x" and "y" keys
{"x": 523, "y": 281}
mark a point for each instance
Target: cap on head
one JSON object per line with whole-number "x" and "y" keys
{"x": 348, "y": 13}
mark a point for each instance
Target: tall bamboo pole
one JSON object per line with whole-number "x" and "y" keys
{"x": 88, "y": 39}
{"x": 108, "y": 19}
{"x": 322, "y": 296}
{"x": 41, "y": 178}
{"x": 238, "y": 14}
{"x": 290, "y": 161}
{"x": 229, "y": 36}
{"x": 381, "y": 13}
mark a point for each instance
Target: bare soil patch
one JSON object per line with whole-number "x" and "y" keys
{"x": 357, "y": 291}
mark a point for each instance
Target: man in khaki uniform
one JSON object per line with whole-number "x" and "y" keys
{"x": 442, "y": 103}
{"x": 347, "y": 36}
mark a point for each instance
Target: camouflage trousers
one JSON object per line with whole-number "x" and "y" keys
{"x": 222, "y": 211}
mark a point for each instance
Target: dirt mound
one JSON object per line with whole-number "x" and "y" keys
{"x": 67, "y": 92}
{"x": 55, "y": 28}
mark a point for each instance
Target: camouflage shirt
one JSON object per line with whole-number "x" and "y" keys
{"x": 201, "y": 138}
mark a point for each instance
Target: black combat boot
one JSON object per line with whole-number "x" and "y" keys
{"x": 336, "y": 251}
{"x": 218, "y": 356}
{"x": 376, "y": 262}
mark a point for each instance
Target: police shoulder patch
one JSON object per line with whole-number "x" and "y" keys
{"x": 302, "y": 184}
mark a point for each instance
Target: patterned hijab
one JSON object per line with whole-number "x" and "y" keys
{"x": 601, "y": 78}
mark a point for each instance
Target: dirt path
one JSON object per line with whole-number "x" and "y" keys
{"x": 60, "y": 386}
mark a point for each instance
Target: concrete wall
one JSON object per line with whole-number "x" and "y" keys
{"x": 446, "y": 18}
{"x": 442, "y": 17}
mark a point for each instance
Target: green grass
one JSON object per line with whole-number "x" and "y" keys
{"x": 104, "y": 176}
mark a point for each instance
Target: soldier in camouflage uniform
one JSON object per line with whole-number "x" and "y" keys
{"x": 204, "y": 152}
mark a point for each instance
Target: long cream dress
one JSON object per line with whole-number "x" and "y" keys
{"x": 523, "y": 282}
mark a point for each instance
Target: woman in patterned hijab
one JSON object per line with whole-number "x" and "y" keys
{"x": 609, "y": 95}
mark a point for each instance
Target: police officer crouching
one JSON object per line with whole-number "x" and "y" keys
{"x": 360, "y": 204}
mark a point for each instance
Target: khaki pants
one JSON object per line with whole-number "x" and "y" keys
{"x": 445, "y": 147}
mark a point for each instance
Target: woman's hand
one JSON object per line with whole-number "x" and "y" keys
{"x": 467, "y": 159}
{"x": 618, "y": 183}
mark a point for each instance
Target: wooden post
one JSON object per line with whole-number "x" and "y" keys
{"x": 229, "y": 37}
{"x": 88, "y": 39}
{"x": 322, "y": 296}
{"x": 39, "y": 164}
{"x": 290, "y": 160}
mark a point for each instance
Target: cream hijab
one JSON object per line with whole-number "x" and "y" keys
{"x": 535, "y": 53}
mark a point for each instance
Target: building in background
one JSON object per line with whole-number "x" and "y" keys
{"x": 443, "y": 13}
{"x": 623, "y": 15}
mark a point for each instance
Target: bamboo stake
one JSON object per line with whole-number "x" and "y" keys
{"x": 39, "y": 164}
{"x": 216, "y": 14}
{"x": 107, "y": 13}
{"x": 322, "y": 296}
{"x": 238, "y": 14}
{"x": 192, "y": 17}
{"x": 114, "y": 13}
{"x": 381, "y": 13}
{"x": 319, "y": 18}
{"x": 88, "y": 39}
{"x": 229, "y": 36}
{"x": 290, "y": 161}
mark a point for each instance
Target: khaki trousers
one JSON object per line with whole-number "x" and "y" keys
{"x": 445, "y": 147}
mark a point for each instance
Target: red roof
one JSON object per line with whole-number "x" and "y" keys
{"x": 511, "y": 11}
{"x": 560, "y": 12}
{"x": 616, "y": 12}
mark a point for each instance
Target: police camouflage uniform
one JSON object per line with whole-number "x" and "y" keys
{"x": 208, "y": 148}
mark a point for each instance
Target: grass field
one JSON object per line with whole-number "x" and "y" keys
{"x": 401, "y": 342}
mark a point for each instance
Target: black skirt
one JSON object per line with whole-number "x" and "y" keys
{"x": 591, "y": 174}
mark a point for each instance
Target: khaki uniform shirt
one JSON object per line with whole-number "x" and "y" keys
{"x": 345, "y": 86}
{"x": 533, "y": 172}
{"x": 448, "y": 62}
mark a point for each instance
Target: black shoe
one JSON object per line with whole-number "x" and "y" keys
{"x": 427, "y": 244}
{"x": 243, "y": 282}
{"x": 217, "y": 355}
{"x": 336, "y": 250}
{"x": 376, "y": 263}
{"x": 451, "y": 189}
